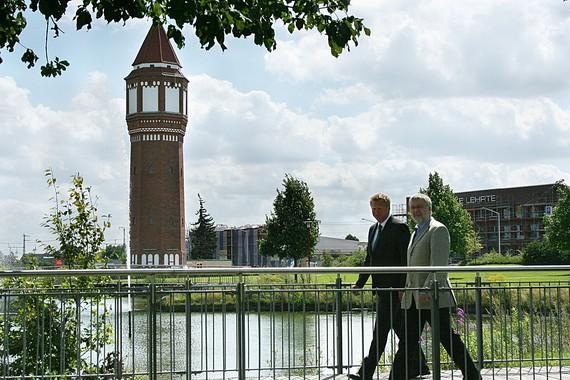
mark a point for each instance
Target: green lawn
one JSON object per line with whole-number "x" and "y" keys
{"x": 536, "y": 276}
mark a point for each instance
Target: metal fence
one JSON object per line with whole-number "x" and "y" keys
{"x": 259, "y": 323}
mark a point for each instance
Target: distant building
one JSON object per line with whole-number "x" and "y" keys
{"x": 240, "y": 245}
{"x": 521, "y": 211}
{"x": 336, "y": 247}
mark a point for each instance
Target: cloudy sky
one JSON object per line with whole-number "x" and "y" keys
{"x": 478, "y": 91}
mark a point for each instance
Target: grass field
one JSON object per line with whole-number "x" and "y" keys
{"x": 504, "y": 276}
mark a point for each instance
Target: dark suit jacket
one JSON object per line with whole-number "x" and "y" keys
{"x": 391, "y": 251}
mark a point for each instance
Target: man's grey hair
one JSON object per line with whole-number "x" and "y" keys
{"x": 384, "y": 198}
{"x": 422, "y": 197}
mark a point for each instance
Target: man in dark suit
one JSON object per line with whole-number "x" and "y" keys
{"x": 387, "y": 246}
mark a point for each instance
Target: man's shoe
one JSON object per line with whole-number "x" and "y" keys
{"x": 354, "y": 376}
{"x": 425, "y": 372}
{"x": 473, "y": 376}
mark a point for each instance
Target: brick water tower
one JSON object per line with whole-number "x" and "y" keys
{"x": 157, "y": 94}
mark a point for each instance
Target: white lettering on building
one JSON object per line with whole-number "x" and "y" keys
{"x": 478, "y": 199}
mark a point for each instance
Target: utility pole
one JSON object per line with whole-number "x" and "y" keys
{"x": 498, "y": 222}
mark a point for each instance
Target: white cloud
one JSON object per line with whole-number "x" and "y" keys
{"x": 442, "y": 48}
{"x": 89, "y": 138}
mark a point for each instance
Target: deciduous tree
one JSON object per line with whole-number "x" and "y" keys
{"x": 211, "y": 20}
{"x": 292, "y": 228}
{"x": 203, "y": 234}
{"x": 447, "y": 209}
{"x": 42, "y": 335}
{"x": 76, "y": 225}
{"x": 557, "y": 225}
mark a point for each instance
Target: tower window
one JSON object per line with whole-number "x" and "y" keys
{"x": 132, "y": 95}
{"x": 172, "y": 99}
{"x": 150, "y": 99}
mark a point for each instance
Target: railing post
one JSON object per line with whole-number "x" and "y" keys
{"x": 435, "y": 330}
{"x": 188, "y": 309}
{"x": 152, "y": 331}
{"x": 479, "y": 320}
{"x": 240, "y": 315}
{"x": 338, "y": 297}
{"x": 118, "y": 359}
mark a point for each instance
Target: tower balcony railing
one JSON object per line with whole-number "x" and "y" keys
{"x": 264, "y": 323}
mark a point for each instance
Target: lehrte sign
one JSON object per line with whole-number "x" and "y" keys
{"x": 477, "y": 199}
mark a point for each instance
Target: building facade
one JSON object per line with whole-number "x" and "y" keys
{"x": 156, "y": 110}
{"x": 507, "y": 219}
{"x": 240, "y": 245}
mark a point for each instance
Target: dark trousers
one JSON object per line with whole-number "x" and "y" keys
{"x": 389, "y": 315}
{"x": 451, "y": 341}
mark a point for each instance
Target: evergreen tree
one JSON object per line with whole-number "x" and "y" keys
{"x": 351, "y": 237}
{"x": 447, "y": 209}
{"x": 292, "y": 230}
{"x": 557, "y": 225}
{"x": 203, "y": 234}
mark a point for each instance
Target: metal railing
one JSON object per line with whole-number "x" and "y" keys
{"x": 259, "y": 322}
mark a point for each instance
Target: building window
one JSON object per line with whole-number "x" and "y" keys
{"x": 172, "y": 99}
{"x": 132, "y": 94}
{"x": 150, "y": 99}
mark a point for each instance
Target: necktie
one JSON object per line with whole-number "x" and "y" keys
{"x": 416, "y": 230}
{"x": 376, "y": 239}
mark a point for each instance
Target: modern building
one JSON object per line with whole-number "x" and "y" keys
{"x": 156, "y": 110}
{"x": 509, "y": 217}
{"x": 240, "y": 245}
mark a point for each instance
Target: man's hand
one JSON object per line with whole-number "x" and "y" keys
{"x": 424, "y": 298}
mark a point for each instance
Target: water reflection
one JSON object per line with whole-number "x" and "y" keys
{"x": 277, "y": 343}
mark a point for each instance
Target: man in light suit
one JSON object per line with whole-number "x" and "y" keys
{"x": 387, "y": 244}
{"x": 429, "y": 246}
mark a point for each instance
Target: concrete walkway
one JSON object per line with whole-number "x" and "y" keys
{"x": 539, "y": 373}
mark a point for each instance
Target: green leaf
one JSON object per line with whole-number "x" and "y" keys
{"x": 83, "y": 18}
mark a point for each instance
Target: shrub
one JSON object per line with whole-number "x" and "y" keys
{"x": 495, "y": 258}
{"x": 542, "y": 253}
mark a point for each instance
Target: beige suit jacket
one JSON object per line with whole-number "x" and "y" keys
{"x": 430, "y": 248}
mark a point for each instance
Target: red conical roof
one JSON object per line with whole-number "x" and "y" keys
{"x": 156, "y": 48}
